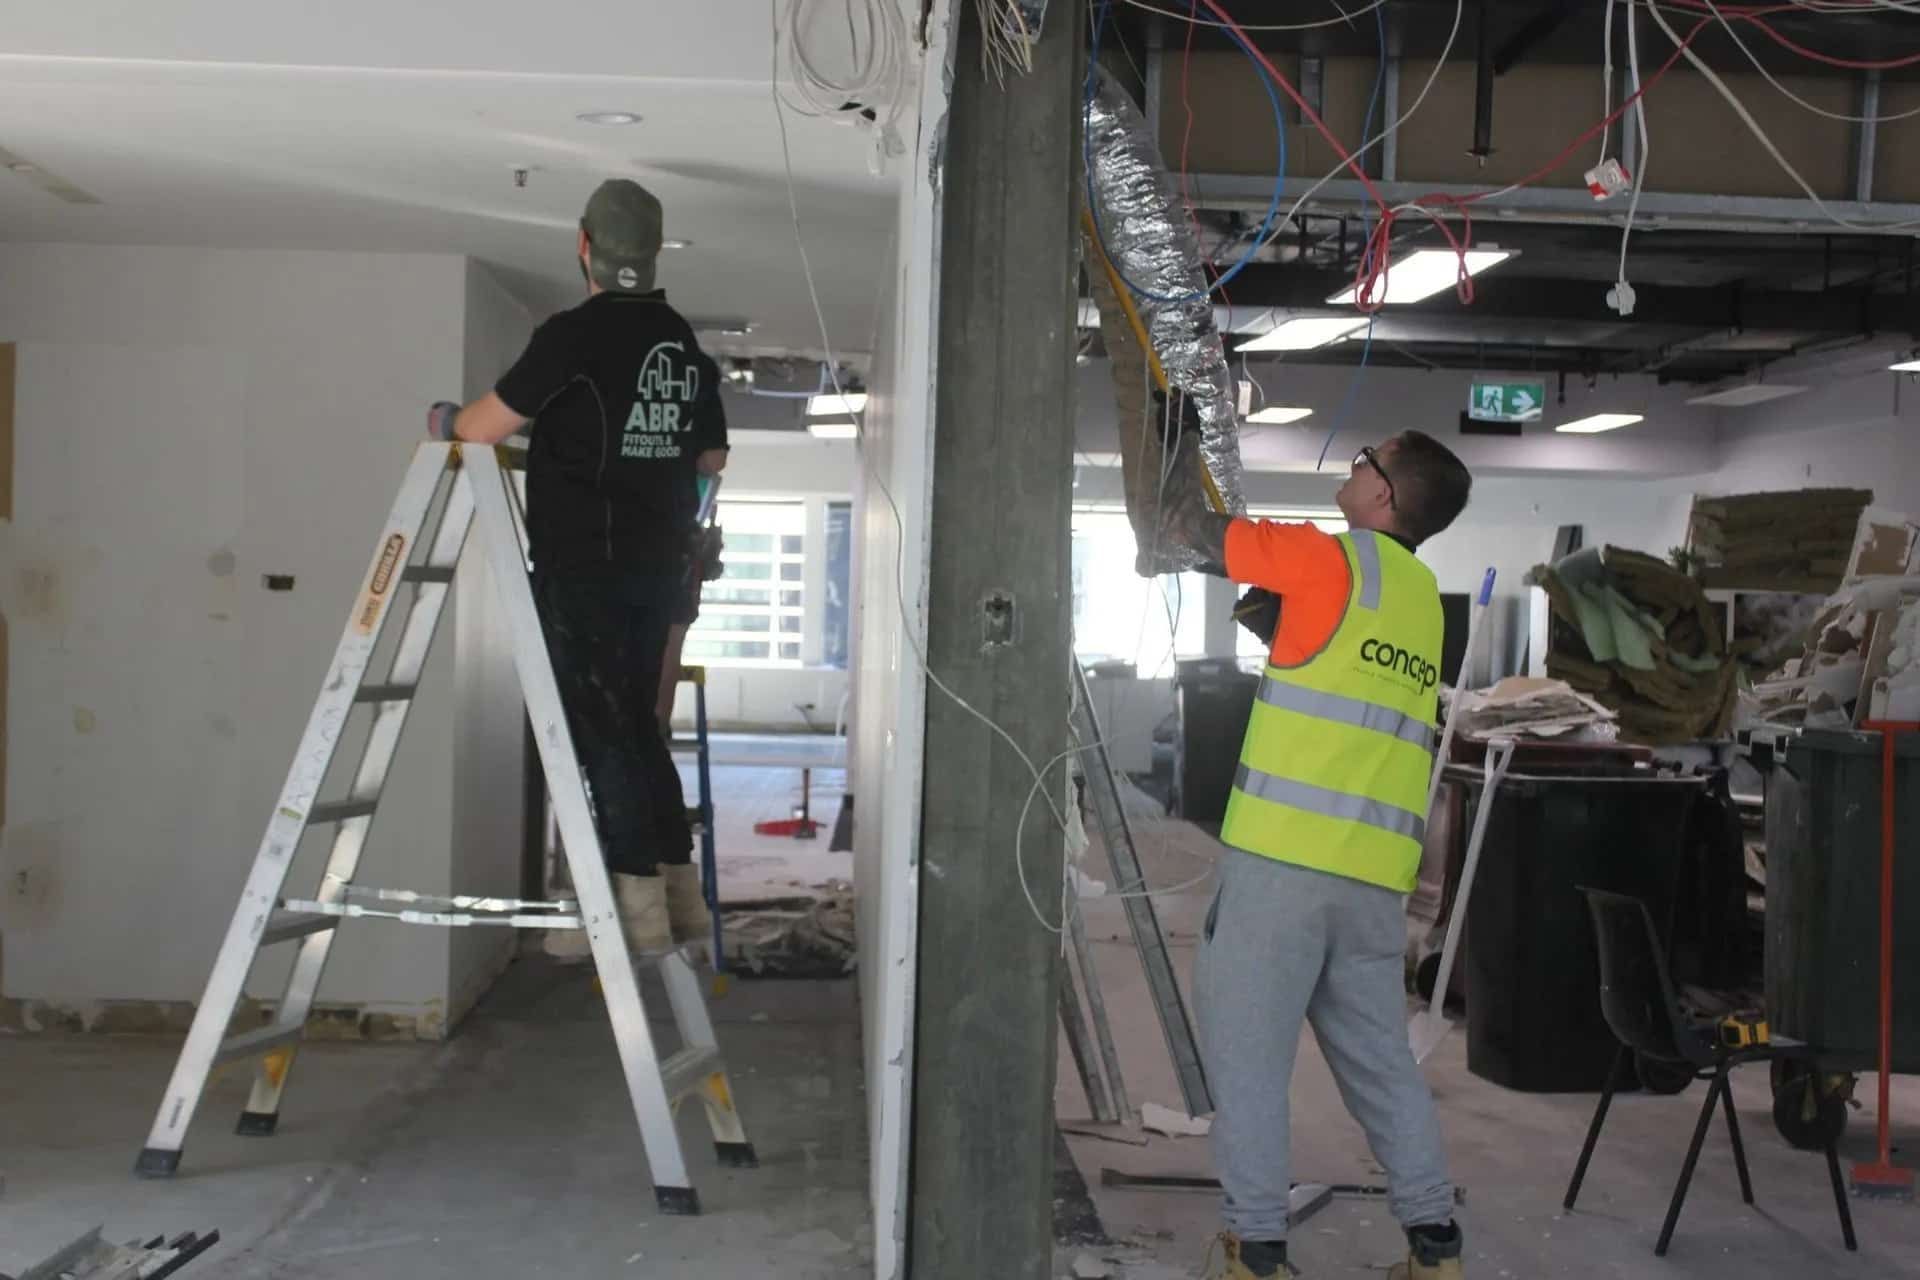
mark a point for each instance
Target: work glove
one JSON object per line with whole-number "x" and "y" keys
{"x": 440, "y": 420}
{"x": 1186, "y": 411}
{"x": 708, "y": 544}
{"x": 1259, "y": 612}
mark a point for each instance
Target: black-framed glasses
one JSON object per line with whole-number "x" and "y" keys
{"x": 1372, "y": 459}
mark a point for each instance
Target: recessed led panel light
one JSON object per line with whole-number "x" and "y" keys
{"x": 1906, "y": 366}
{"x": 608, "y": 117}
{"x": 832, "y": 406}
{"x": 1275, "y": 415}
{"x": 1304, "y": 333}
{"x": 1426, "y": 272}
{"x": 841, "y": 430}
{"x": 1600, "y": 422}
{"x": 676, "y": 244}
{"x": 1752, "y": 393}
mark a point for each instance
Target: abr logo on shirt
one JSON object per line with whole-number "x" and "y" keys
{"x": 668, "y": 382}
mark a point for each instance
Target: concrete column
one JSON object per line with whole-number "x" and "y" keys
{"x": 998, "y": 621}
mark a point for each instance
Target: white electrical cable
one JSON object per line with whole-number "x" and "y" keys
{"x": 1753, "y": 127}
{"x": 875, "y": 80}
{"x": 1620, "y": 297}
{"x": 1768, "y": 76}
{"x": 1606, "y": 82}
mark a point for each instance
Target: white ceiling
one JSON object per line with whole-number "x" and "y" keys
{"x": 365, "y": 124}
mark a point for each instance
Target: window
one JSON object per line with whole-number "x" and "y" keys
{"x": 753, "y": 615}
{"x": 1117, "y": 614}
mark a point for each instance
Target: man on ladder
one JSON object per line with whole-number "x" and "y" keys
{"x": 1324, "y": 826}
{"x": 626, "y": 414}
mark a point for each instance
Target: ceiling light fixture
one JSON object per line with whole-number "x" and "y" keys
{"x": 841, "y": 430}
{"x": 608, "y": 117}
{"x": 1426, "y": 272}
{"x": 832, "y": 406}
{"x": 1304, "y": 333}
{"x": 1596, "y": 423}
{"x": 1906, "y": 366}
{"x": 676, "y": 244}
{"x": 1752, "y": 393}
{"x": 1277, "y": 415}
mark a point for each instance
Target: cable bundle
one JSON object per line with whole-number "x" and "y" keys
{"x": 873, "y": 89}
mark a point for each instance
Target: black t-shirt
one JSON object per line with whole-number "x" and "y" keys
{"x": 623, "y": 401}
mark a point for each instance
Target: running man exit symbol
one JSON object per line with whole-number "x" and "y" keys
{"x": 1505, "y": 401}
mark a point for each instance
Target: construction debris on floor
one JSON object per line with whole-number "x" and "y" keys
{"x": 795, "y": 937}
{"x": 1641, "y": 637}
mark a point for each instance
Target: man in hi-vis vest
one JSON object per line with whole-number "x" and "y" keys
{"x": 1324, "y": 826}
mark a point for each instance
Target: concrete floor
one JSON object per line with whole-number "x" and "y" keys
{"x": 508, "y": 1151}
{"x": 1512, "y": 1151}
{"x": 757, "y": 866}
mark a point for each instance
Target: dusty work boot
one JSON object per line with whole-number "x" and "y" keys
{"x": 1433, "y": 1253}
{"x": 686, "y": 905}
{"x": 569, "y": 946}
{"x": 643, "y": 912}
{"x": 1251, "y": 1259}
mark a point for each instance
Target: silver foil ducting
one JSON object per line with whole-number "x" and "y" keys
{"x": 1150, "y": 242}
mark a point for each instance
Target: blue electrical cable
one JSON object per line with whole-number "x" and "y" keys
{"x": 1279, "y": 176}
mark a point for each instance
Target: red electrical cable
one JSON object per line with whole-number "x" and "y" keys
{"x": 1756, "y": 17}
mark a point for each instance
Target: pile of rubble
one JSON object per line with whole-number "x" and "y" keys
{"x": 1795, "y": 541}
{"x": 1641, "y": 638}
{"x": 1861, "y": 660}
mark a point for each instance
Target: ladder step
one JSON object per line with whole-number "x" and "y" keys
{"x": 427, "y": 573}
{"x": 340, "y": 811}
{"x": 385, "y": 693}
{"x": 249, "y": 1043}
{"x": 686, "y": 1070}
{"x": 285, "y": 926}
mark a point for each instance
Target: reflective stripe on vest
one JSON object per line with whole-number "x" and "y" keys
{"x": 1334, "y": 769}
{"x": 1354, "y": 711}
{"x": 1332, "y": 804}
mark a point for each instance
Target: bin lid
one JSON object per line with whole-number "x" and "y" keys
{"x": 1851, "y": 742}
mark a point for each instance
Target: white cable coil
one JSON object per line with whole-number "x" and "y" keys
{"x": 871, "y": 91}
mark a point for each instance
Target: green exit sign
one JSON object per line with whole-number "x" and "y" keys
{"x": 1506, "y": 401}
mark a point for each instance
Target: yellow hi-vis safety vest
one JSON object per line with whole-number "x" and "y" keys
{"x": 1338, "y": 754}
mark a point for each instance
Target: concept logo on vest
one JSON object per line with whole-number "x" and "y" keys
{"x": 1384, "y": 653}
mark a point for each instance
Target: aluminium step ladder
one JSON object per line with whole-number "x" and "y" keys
{"x": 466, "y": 484}
{"x": 1096, "y": 766}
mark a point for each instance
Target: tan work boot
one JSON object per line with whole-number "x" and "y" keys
{"x": 686, "y": 905}
{"x": 643, "y": 912}
{"x": 569, "y": 946}
{"x": 1247, "y": 1260}
{"x": 1433, "y": 1253}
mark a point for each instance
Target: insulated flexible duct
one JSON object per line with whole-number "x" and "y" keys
{"x": 1148, "y": 283}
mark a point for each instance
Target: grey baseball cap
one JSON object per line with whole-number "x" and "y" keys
{"x": 623, "y": 226}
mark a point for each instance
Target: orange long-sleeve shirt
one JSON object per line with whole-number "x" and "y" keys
{"x": 1306, "y": 568}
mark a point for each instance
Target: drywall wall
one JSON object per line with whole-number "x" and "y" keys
{"x": 893, "y": 494}
{"x": 489, "y": 739}
{"x": 187, "y": 422}
{"x": 1855, "y": 448}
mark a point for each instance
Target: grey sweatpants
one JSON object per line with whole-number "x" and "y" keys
{"x": 1284, "y": 945}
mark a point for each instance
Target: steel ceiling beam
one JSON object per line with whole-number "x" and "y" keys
{"x": 1574, "y": 204}
{"x": 1535, "y": 299}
